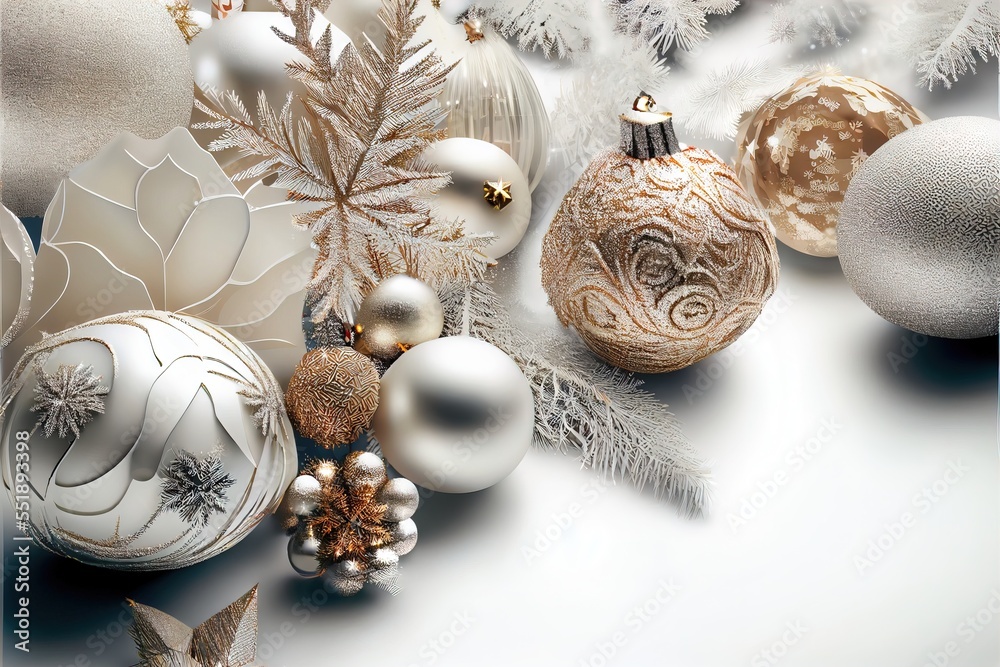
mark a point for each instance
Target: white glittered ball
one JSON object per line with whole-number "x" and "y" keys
{"x": 75, "y": 75}
{"x": 455, "y": 415}
{"x": 155, "y": 441}
{"x": 919, "y": 230}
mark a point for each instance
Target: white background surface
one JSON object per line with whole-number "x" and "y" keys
{"x": 483, "y": 588}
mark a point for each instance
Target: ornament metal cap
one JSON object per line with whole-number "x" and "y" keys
{"x": 647, "y": 133}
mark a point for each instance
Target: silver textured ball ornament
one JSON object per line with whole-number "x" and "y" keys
{"x": 401, "y": 497}
{"x": 156, "y": 441}
{"x": 455, "y": 414}
{"x": 75, "y": 75}
{"x": 920, "y": 229}
{"x": 399, "y": 313}
{"x": 303, "y": 495}
{"x": 404, "y": 537}
{"x": 488, "y": 192}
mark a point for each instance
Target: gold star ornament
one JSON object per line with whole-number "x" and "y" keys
{"x": 497, "y": 193}
{"x": 228, "y": 639}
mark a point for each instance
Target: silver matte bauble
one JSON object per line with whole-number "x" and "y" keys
{"x": 488, "y": 192}
{"x": 400, "y": 497}
{"x": 455, "y": 415}
{"x": 399, "y": 313}
{"x": 919, "y": 229}
{"x": 75, "y": 75}
{"x": 303, "y": 495}
{"x": 302, "y": 551}
{"x": 156, "y": 441}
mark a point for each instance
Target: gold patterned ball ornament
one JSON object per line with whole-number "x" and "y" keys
{"x": 657, "y": 256}
{"x": 332, "y": 395}
{"x": 800, "y": 150}
{"x": 352, "y": 523}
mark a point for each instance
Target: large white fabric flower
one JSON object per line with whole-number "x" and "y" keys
{"x": 156, "y": 224}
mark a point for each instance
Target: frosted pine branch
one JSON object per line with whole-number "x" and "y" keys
{"x": 942, "y": 38}
{"x": 825, "y": 24}
{"x": 608, "y": 77}
{"x": 560, "y": 28}
{"x": 583, "y": 405}
{"x": 349, "y": 145}
{"x": 714, "y": 106}
{"x": 667, "y": 23}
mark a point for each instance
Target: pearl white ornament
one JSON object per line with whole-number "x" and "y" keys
{"x": 455, "y": 415}
{"x": 76, "y": 74}
{"x": 400, "y": 312}
{"x": 475, "y": 166}
{"x": 919, "y": 229}
{"x": 303, "y": 495}
{"x": 177, "y": 447}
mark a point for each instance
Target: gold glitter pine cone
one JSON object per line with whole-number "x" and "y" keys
{"x": 657, "y": 256}
{"x": 332, "y": 395}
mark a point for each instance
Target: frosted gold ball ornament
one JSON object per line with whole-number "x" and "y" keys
{"x": 920, "y": 229}
{"x": 399, "y": 313}
{"x": 488, "y": 192}
{"x": 455, "y": 415}
{"x": 75, "y": 75}
{"x": 800, "y": 150}
{"x": 332, "y": 395}
{"x": 657, "y": 256}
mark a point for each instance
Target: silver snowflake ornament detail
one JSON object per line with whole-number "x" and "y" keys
{"x": 195, "y": 488}
{"x": 68, "y": 399}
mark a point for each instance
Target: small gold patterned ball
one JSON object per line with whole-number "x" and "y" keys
{"x": 332, "y": 395}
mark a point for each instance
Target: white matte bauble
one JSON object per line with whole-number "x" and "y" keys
{"x": 455, "y": 415}
{"x": 76, "y": 74}
{"x": 156, "y": 441}
{"x": 488, "y": 192}
{"x": 490, "y": 95}
{"x": 919, "y": 229}
{"x": 242, "y": 54}
{"x": 399, "y": 313}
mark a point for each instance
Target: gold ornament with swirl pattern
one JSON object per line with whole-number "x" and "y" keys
{"x": 657, "y": 256}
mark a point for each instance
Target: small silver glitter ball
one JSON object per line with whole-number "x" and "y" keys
{"x": 302, "y": 550}
{"x": 455, "y": 415}
{"x": 345, "y": 578}
{"x": 404, "y": 537}
{"x": 919, "y": 230}
{"x": 399, "y": 313}
{"x": 400, "y": 498}
{"x": 364, "y": 469}
{"x": 303, "y": 495}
